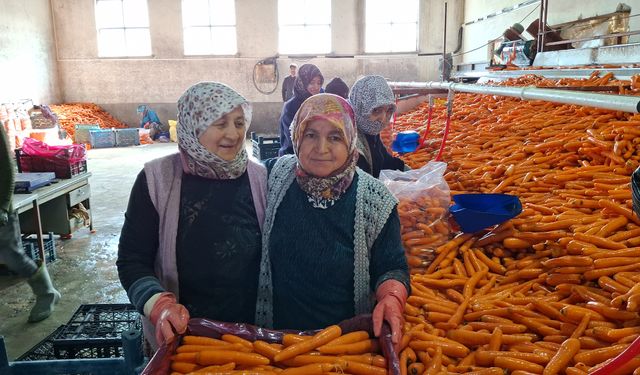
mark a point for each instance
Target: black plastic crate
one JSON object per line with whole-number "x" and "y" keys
{"x": 94, "y": 331}
{"x": 42, "y": 351}
{"x": 31, "y": 248}
{"x": 264, "y": 147}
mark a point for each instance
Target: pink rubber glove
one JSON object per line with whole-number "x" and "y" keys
{"x": 169, "y": 317}
{"x": 391, "y": 296}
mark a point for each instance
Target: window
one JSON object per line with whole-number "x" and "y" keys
{"x": 209, "y": 27}
{"x": 123, "y": 28}
{"x": 391, "y": 26}
{"x": 305, "y": 26}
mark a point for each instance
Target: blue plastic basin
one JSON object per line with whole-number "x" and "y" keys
{"x": 406, "y": 141}
{"x": 474, "y": 212}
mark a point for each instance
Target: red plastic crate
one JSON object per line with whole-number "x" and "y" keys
{"x": 61, "y": 167}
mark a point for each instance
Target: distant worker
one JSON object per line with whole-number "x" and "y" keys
{"x": 287, "y": 84}
{"x": 149, "y": 120}
{"x": 338, "y": 87}
{"x": 307, "y": 83}
{"x": 11, "y": 250}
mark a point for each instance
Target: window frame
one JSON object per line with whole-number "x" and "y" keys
{"x": 304, "y": 25}
{"x": 124, "y": 28}
{"x": 391, "y": 23}
{"x": 210, "y": 26}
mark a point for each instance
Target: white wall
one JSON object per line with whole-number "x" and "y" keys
{"x": 28, "y": 68}
{"x": 120, "y": 84}
{"x": 479, "y": 33}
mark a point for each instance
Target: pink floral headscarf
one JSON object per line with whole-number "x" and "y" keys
{"x": 323, "y": 192}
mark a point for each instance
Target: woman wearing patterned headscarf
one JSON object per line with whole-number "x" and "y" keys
{"x": 308, "y": 82}
{"x": 331, "y": 240}
{"x": 373, "y": 104}
{"x": 191, "y": 240}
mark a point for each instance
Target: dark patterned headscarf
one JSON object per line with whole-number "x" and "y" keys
{"x": 306, "y": 74}
{"x": 199, "y": 107}
{"x": 323, "y": 192}
{"x": 337, "y": 86}
{"x": 368, "y": 93}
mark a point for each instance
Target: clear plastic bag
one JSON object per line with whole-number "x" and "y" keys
{"x": 160, "y": 364}
{"x": 424, "y": 198}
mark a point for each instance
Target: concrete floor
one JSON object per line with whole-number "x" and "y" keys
{"x": 85, "y": 270}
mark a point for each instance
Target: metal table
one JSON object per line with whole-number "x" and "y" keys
{"x": 52, "y": 197}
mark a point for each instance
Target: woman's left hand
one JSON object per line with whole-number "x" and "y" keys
{"x": 391, "y": 296}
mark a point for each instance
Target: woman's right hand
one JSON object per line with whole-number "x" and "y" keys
{"x": 168, "y": 317}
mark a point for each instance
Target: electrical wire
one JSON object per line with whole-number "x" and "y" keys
{"x": 276, "y": 74}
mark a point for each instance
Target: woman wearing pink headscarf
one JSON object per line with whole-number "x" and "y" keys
{"x": 191, "y": 241}
{"x": 331, "y": 240}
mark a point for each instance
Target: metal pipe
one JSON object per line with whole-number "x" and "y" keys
{"x": 540, "y": 28}
{"x": 605, "y": 101}
{"x": 545, "y": 6}
{"x": 444, "y": 44}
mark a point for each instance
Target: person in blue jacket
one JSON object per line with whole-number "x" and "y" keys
{"x": 149, "y": 120}
{"x": 308, "y": 82}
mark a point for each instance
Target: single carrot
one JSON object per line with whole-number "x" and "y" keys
{"x": 227, "y": 367}
{"x": 360, "y": 347}
{"x": 265, "y": 349}
{"x": 221, "y": 357}
{"x": 184, "y": 367}
{"x": 201, "y": 340}
{"x": 312, "y": 369}
{"x": 321, "y": 338}
{"x": 515, "y": 364}
{"x": 290, "y": 339}
{"x": 565, "y": 354}
{"x": 233, "y": 339}
{"x": 350, "y": 338}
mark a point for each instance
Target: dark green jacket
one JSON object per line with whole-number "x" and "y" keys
{"x": 7, "y": 174}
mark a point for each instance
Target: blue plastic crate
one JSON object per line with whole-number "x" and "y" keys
{"x": 102, "y": 138}
{"x": 30, "y": 245}
{"x": 127, "y": 137}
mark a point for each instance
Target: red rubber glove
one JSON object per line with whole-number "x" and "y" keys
{"x": 169, "y": 317}
{"x": 391, "y": 296}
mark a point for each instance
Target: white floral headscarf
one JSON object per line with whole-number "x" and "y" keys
{"x": 199, "y": 107}
{"x": 368, "y": 93}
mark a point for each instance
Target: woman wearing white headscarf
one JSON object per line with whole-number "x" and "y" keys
{"x": 373, "y": 103}
{"x": 191, "y": 241}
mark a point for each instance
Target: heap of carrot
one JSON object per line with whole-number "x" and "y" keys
{"x": 326, "y": 352}
{"x": 84, "y": 113}
{"x": 595, "y": 80}
{"x": 553, "y": 290}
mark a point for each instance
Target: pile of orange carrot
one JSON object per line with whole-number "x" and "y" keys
{"x": 553, "y": 290}
{"x": 326, "y": 352}
{"x": 595, "y": 80}
{"x": 69, "y": 115}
